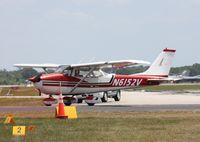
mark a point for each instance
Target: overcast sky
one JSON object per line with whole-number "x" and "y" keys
{"x": 77, "y": 31}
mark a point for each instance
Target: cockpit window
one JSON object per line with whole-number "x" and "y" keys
{"x": 80, "y": 73}
{"x": 97, "y": 73}
{"x": 65, "y": 70}
{"x": 61, "y": 69}
{"x": 83, "y": 73}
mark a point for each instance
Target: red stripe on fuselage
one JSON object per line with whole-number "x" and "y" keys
{"x": 59, "y": 77}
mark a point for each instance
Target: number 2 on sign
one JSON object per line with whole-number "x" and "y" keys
{"x": 19, "y": 130}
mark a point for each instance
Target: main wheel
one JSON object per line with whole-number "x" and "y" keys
{"x": 105, "y": 97}
{"x": 117, "y": 97}
{"x": 67, "y": 102}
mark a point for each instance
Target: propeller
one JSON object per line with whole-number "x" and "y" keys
{"x": 35, "y": 78}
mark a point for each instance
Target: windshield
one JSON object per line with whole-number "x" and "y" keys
{"x": 61, "y": 69}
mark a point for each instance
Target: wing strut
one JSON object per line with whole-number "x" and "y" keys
{"x": 81, "y": 80}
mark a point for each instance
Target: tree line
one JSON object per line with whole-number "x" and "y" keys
{"x": 16, "y": 77}
{"x": 192, "y": 70}
{"x": 20, "y": 76}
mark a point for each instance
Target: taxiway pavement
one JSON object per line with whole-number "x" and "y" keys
{"x": 130, "y": 102}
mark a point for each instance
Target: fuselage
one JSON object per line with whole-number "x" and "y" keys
{"x": 56, "y": 83}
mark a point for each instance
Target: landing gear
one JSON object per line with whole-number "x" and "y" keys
{"x": 117, "y": 97}
{"x": 69, "y": 100}
{"x": 79, "y": 101}
{"x": 91, "y": 100}
{"x": 105, "y": 97}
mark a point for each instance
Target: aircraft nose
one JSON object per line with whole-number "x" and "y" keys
{"x": 35, "y": 78}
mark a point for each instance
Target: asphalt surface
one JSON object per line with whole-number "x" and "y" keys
{"x": 130, "y": 102}
{"x": 107, "y": 108}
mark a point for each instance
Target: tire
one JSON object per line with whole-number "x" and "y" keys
{"x": 67, "y": 102}
{"x": 105, "y": 97}
{"x": 117, "y": 97}
{"x": 80, "y": 101}
{"x": 91, "y": 104}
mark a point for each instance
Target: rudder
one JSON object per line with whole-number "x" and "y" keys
{"x": 161, "y": 66}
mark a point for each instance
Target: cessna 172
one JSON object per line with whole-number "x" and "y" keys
{"x": 88, "y": 81}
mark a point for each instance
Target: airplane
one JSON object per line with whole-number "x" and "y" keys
{"x": 191, "y": 79}
{"x": 88, "y": 82}
{"x": 184, "y": 77}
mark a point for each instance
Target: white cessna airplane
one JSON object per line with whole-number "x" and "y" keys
{"x": 88, "y": 82}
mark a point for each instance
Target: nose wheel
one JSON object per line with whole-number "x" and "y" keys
{"x": 69, "y": 100}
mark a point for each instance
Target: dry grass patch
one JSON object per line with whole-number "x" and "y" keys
{"x": 21, "y": 91}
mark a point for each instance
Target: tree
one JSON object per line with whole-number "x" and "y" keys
{"x": 27, "y": 73}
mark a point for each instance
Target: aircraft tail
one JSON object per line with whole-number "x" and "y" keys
{"x": 161, "y": 66}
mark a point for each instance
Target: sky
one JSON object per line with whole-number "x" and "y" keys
{"x": 79, "y": 31}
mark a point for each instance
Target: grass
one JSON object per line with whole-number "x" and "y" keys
{"x": 112, "y": 127}
{"x": 21, "y": 91}
{"x": 21, "y": 102}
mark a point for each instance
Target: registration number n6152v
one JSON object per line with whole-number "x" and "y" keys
{"x": 127, "y": 82}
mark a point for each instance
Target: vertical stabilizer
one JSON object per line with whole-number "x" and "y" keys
{"x": 161, "y": 66}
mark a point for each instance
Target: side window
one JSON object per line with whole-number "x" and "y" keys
{"x": 77, "y": 73}
{"x": 67, "y": 72}
{"x": 80, "y": 73}
{"x": 97, "y": 73}
{"x": 84, "y": 72}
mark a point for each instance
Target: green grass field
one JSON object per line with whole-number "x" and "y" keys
{"x": 111, "y": 127}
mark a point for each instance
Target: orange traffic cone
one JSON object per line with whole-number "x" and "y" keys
{"x": 61, "y": 111}
{"x": 61, "y": 108}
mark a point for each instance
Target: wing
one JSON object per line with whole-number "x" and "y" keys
{"x": 37, "y": 65}
{"x": 119, "y": 63}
